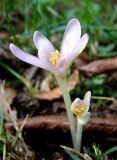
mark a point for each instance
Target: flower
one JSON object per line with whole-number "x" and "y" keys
{"x": 80, "y": 108}
{"x": 48, "y": 57}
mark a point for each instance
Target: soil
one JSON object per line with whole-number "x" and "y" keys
{"x": 46, "y": 142}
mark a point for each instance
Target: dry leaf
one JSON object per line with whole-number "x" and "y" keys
{"x": 99, "y": 66}
{"x": 10, "y": 94}
{"x": 9, "y": 115}
{"x": 46, "y": 84}
{"x": 56, "y": 92}
{"x": 106, "y": 126}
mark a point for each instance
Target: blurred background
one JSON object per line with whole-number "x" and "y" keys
{"x": 30, "y": 90}
{"x": 20, "y": 18}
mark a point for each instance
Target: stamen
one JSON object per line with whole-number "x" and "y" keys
{"x": 55, "y": 57}
{"x": 78, "y": 110}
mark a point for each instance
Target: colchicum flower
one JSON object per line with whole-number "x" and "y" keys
{"x": 80, "y": 108}
{"x": 48, "y": 57}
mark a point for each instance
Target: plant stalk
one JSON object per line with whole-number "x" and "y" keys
{"x": 63, "y": 85}
{"x": 79, "y": 135}
{"x": 4, "y": 151}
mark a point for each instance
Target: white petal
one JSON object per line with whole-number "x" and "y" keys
{"x": 71, "y": 36}
{"x": 45, "y": 58}
{"x": 44, "y": 52}
{"x": 87, "y": 99}
{"x": 39, "y": 39}
{"x": 85, "y": 118}
{"x": 44, "y": 47}
{"x": 77, "y": 102}
{"x": 28, "y": 58}
{"x": 80, "y": 46}
{"x": 61, "y": 65}
{"x": 74, "y": 103}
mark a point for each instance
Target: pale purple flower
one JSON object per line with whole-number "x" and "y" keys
{"x": 80, "y": 108}
{"x": 51, "y": 59}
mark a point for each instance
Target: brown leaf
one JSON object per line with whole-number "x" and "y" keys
{"x": 56, "y": 92}
{"x": 9, "y": 115}
{"x": 10, "y": 94}
{"x": 99, "y": 66}
{"x": 107, "y": 126}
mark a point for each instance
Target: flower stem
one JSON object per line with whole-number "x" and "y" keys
{"x": 4, "y": 151}
{"x": 63, "y": 85}
{"x": 79, "y": 136}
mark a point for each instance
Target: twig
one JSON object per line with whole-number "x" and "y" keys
{"x": 103, "y": 98}
{"x": 106, "y": 126}
{"x": 83, "y": 156}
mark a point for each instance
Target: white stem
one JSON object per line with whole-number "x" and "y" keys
{"x": 4, "y": 151}
{"x": 79, "y": 136}
{"x": 63, "y": 85}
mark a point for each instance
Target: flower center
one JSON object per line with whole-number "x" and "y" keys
{"x": 55, "y": 56}
{"x": 79, "y": 110}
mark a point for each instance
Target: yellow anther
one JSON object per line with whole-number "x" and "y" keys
{"x": 55, "y": 57}
{"x": 53, "y": 60}
{"x": 78, "y": 110}
{"x": 58, "y": 54}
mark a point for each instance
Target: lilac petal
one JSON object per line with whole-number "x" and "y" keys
{"x": 40, "y": 40}
{"x": 87, "y": 99}
{"x": 26, "y": 57}
{"x": 46, "y": 60}
{"x": 71, "y": 36}
{"x": 78, "y": 48}
{"x": 44, "y": 47}
{"x": 61, "y": 65}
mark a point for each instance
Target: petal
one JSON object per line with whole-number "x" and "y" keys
{"x": 87, "y": 99}
{"x": 46, "y": 60}
{"x": 61, "y": 65}
{"x": 71, "y": 36}
{"x": 39, "y": 39}
{"x": 77, "y": 103}
{"x": 44, "y": 47}
{"x": 78, "y": 48}
{"x": 26, "y": 57}
{"x": 44, "y": 52}
{"x": 85, "y": 118}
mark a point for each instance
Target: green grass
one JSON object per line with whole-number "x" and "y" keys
{"x": 52, "y": 16}
{"x": 98, "y": 19}
{"x": 20, "y": 18}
